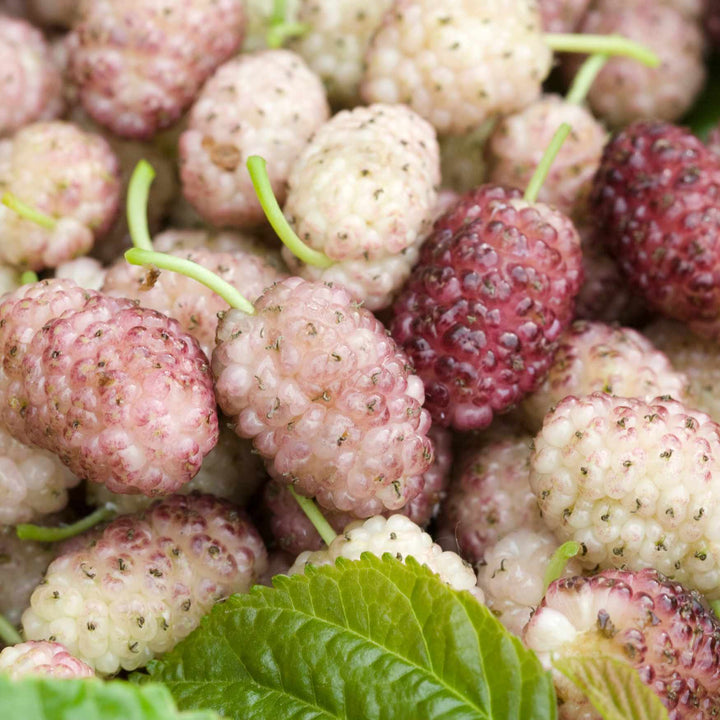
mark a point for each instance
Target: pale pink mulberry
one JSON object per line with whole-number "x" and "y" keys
{"x": 268, "y": 104}
{"x": 40, "y": 657}
{"x": 327, "y": 397}
{"x": 31, "y": 86}
{"x": 119, "y": 392}
{"x": 293, "y": 532}
{"x": 140, "y": 63}
{"x": 67, "y": 174}
{"x": 626, "y": 90}
{"x": 518, "y": 142}
{"x": 489, "y": 496}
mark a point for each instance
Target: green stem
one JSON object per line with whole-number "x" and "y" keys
{"x": 559, "y": 559}
{"x": 280, "y": 29}
{"x": 543, "y": 168}
{"x": 27, "y": 212}
{"x": 279, "y": 12}
{"x": 278, "y": 34}
{"x": 29, "y": 276}
{"x": 261, "y": 182}
{"x": 137, "y": 201}
{"x": 8, "y": 632}
{"x": 138, "y": 256}
{"x": 584, "y": 78}
{"x": 601, "y": 44}
{"x": 39, "y": 533}
{"x": 315, "y": 516}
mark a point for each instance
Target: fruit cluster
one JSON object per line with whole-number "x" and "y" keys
{"x": 394, "y": 281}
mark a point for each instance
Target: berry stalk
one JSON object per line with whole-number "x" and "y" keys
{"x": 28, "y": 531}
{"x": 27, "y": 212}
{"x": 142, "y": 252}
{"x": 558, "y": 561}
{"x": 315, "y": 517}
{"x": 8, "y": 634}
{"x": 601, "y": 44}
{"x": 137, "y": 201}
{"x": 543, "y": 168}
{"x": 280, "y": 29}
{"x": 585, "y": 77}
{"x": 261, "y": 182}
{"x": 152, "y": 258}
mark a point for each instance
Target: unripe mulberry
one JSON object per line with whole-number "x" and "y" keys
{"x": 363, "y": 192}
{"x": 457, "y": 62}
{"x": 595, "y": 357}
{"x": 267, "y": 103}
{"x": 401, "y": 537}
{"x": 696, "y": 357}
{"x": 140, "y": 80}
{"x": 49, "y": 659}
{"x": 33, "y": 482}
{"x": 326, "y": 396}
{"x": 22, "y": 565}
{"x": 336, "y": 41}
{"x": 512, "y": 575}
{"x": 31, "y": 86}
{"x": 146, "y": 582}
{"x": 71, "y": 176}
{"x": 635, "y": 482}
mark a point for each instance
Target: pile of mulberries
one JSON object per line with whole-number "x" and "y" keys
{"x": 458, "y": 358}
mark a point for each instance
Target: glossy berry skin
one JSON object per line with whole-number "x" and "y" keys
{"x": 482, "y": 312}
{"x": 656, "y": 202}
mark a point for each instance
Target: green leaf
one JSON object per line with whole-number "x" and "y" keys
{"x": 705, "y": 114}
{"x": 38, "y": 698}
{"x": 613, "y": 687}
{"x": 373, "y": 638}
